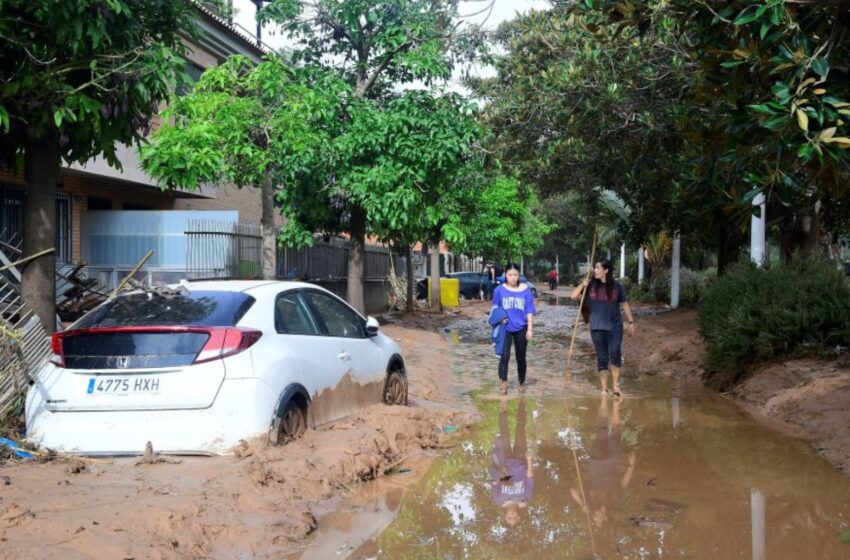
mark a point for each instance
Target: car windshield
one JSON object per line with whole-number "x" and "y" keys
{"x": 200, "y": 308}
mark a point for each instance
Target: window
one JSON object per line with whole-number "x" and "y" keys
{"x": 194, "y": 72}
{"x": 203, "y": 308}
{"x": 291, "y": 315}
{"x": 95, "y": 203}
{"x": 11, "y": 215}
{"x": 339, "y": 319}
{"x": 63, "y": 227}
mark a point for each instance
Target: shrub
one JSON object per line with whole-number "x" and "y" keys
{"x": 692, "y": 286}
{"x": 750, "y": 315}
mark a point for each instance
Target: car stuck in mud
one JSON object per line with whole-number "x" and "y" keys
{"x": 196, "y": 368}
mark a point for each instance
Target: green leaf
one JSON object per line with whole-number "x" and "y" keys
{"x": 820, "y": 66}
{"x": 764, "y": 109}
{"x": 732, "y": 63}
{"x": 57, "y": 118}
{"x": 4, "y": 119}
{"x": 747, "y": 15}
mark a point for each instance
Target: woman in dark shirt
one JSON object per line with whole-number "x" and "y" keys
{"x": 605, "y": 296}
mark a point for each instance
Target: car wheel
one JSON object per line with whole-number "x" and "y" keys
{"x": 292, "y": 422}
{"x": 395, "y": 390}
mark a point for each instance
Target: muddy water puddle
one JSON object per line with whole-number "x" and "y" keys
{"x": 667, "y": 472}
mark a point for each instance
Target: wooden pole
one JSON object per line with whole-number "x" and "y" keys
{"x": 132, "y": 273}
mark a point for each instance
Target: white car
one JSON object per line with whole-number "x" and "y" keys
{"x": 196, "y": 369}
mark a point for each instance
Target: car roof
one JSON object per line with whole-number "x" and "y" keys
{"x": 244, "y": 285}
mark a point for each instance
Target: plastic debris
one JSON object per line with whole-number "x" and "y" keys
{"x": 16, "y": 449}
{"x": 449, "y": 429}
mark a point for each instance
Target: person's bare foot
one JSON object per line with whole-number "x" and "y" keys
{"x": 617, "y": 391}
{"x": 522, "y": 389}
{"x": 503, "y": 387}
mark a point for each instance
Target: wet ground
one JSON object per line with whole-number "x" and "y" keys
{"x": 670, "y": 471}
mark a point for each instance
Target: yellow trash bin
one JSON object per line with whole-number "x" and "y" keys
{"x": 449, "y": 291}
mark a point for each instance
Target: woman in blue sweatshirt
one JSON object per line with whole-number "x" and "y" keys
{"x": 518, "y": 303}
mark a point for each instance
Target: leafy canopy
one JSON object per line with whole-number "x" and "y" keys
{"x": 87, "y": 73}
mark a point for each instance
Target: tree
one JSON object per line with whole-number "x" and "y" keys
{"x": 247, "y": 125}
{"x": 686, "y": 110}
{"x": 375, "y": 46}
{"x": 79, "y": 77}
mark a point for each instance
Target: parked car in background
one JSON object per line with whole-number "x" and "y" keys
{"x": 470, "y": 285}
{"x": 522, "y": 280}
{"x": 198, "y": 367}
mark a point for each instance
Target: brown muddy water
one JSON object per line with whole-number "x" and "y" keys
{"x": 667, "y": 472}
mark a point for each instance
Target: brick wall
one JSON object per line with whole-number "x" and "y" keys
{"x": 247, "y": 201}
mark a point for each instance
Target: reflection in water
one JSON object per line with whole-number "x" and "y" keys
{"x": 607, "y": 474}
{"x": 511, "y": 474}
{"x": 652, "y": 490}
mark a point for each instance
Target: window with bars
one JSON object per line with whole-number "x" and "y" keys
{"x": 12, "y": 221}
{"x": 63, "y": 227}
{"x": 11, "y": 215}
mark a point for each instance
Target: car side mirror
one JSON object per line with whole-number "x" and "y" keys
{"x": 372, "y": 326}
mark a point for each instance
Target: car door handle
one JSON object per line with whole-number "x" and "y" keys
{"x": 344, "y": 356}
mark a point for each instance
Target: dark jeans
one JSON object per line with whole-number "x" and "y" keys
{"x": 518, "y": 339}
{"x": 608, "y": 346}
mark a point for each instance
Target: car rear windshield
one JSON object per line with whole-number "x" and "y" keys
{"x": 200, "y": 308}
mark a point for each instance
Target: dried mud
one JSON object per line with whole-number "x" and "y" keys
{"x": 258, "y": 503}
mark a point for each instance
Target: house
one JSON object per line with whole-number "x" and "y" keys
{"x": 95, "y": 185}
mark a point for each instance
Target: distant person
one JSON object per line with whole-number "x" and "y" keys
{"x": 518, "y": 303}
{"x": 604, "y": 298}
{"x": 511, "y": 474}
{"x": 609, "y": 471}
{"x": 488, "y": 280}
{"x": 552, "y": 276}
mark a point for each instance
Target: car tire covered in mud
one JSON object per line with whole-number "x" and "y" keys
{"x": 395, "y": 389}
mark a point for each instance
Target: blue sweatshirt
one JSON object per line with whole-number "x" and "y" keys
{"x": 517, "y": 306}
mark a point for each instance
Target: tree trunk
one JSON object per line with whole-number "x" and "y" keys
{"x": 411, "y": 284}
{"x": 38, "y": 277}
{"x": 811, "y": 232}
{"x": 435, "y": 276}
{"x": 356, "y": 258}
{"x": 269, "y": 230}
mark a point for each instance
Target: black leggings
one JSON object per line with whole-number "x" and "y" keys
{"x": 521, "y": 343}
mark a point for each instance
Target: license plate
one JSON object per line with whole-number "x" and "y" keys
{"x": 122, "y": 385}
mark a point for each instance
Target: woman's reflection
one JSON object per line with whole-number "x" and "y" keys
{"x": 606, "y": 480}
{"x": 511, "y": 476}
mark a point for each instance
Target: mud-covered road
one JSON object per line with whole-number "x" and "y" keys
{"x": 670, "y": 471}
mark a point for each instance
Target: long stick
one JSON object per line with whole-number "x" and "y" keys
{"x": 570, "y": 427}
{"x": 580, "y": 303}
{"x": 132, "y": 273}
{"x": 27, "y": 259}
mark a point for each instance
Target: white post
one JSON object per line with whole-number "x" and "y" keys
{"x": 757, "y": 512}
{"x": 674, "y": 272}
{"x": 522, "y": 265}
{"x": 757, "y": 236}
{"x": 623, "y": 260}
{"x": 640, "y": 265}
{"x": 676, "y": 414}
{"x": 557, "y": 263}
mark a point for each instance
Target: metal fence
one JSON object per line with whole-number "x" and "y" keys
{"x": 218, "y": 249}
{"x": 328, "y": 260}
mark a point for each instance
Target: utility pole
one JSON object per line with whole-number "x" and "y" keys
{"x": 640, "y": 265}
{"x": 674, "y": 271}
{"x": 623, "y": 260}
{"x": 757, "y": 234}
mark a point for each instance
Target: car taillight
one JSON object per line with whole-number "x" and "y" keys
{"x": 58, "y": 354}
{"x": 225, "y": 342}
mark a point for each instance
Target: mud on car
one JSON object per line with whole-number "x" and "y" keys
{"x": 198, "y": 367}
